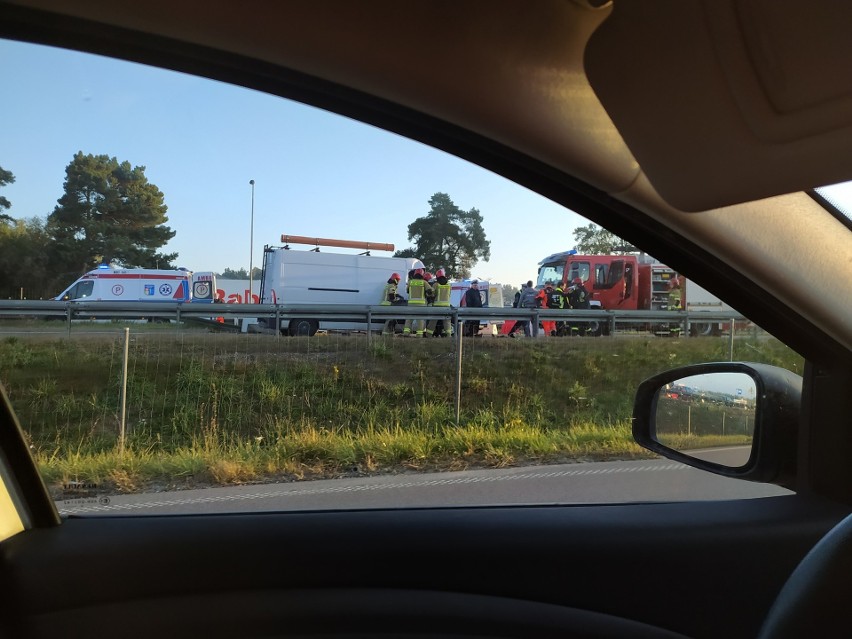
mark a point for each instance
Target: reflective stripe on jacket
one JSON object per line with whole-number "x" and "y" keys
{"x": 416, "y": 292}
{"x": 388, "y": 294}
{"x": 442, "y": 294}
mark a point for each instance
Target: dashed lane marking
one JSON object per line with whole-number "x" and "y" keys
{"x": 300, "y": 490}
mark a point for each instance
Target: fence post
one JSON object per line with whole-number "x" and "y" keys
{"x": 733, "y": 328}
{"x": 123, "y": 417}
{"x": 460, "y": 338}
{"x": 689, "y": 419}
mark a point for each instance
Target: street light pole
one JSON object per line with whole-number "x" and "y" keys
{"x": 251, "y": 246}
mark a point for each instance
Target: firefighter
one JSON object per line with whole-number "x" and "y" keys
{"x": 578, "y": 298}
{"x": 389, "y": 296}
{"x": 430, "y": 292}
{"x": 417, "y": 287}
{"x": 547, "y": 299}
{"x": 559, "y": 293}
{"x": 441, "y": 296}
{"x": 675, "y": 304}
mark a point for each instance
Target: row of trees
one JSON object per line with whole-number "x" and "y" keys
{"x": 108, "y": 211}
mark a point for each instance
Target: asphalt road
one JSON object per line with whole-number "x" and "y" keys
{"x": 601, "y": 482}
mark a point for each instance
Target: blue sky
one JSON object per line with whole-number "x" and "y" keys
{"x": 201, "y": 142}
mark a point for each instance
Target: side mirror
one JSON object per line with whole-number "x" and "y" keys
{"x": 731, "y": 418}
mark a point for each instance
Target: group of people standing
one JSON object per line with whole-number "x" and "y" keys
{"x": 423, "y": 289}
{"x": 551, "y": 296}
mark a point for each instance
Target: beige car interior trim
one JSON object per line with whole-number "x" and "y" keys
{"x": 747, "y": 112}
{"x": 11, "y": 522}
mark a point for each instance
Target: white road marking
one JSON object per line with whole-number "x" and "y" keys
{"x": 302, "y": 489}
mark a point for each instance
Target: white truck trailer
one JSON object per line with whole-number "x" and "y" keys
{"x": 317, "y": 278}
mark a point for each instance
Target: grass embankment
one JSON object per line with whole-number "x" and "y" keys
{"x": 215, "y": 409}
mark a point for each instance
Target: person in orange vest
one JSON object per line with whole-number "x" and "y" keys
{"x": 441, "y": 295}
{"x": 389, "y": 296}
{"x": 417, "y": 287}
{"x": 547, "y": 298}
{"x": 219, "y": 300}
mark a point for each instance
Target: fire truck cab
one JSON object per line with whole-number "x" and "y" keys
{"x": 618, "y": 282}
{"x": 614, "y": 282}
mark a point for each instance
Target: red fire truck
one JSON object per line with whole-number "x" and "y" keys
{"x": 629, "y": 283}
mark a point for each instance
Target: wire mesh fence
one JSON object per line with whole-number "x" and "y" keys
{"x": 185, "y": 384}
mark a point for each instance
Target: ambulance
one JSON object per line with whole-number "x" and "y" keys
{"x": 107, "y": 283}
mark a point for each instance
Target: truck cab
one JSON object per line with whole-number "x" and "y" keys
{"x": 612, "y": 280}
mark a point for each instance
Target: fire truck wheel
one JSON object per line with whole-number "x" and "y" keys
{"x": 303, "y": 327}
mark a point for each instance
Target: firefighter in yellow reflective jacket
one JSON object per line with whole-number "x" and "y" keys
{"x": 675, "y": 303}
{"x": 416, "y": 297}
{"x": 441, "y": 287}
{"x": 389, "y": 296}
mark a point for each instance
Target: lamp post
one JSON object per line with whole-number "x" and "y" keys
{"x": 251, "y": 246}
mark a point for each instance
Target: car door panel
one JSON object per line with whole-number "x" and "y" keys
{"x": 618, "y": 560}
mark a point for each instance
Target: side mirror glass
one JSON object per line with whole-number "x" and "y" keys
{"x": 737, "y": 419}
{"x": 710, "y": 417}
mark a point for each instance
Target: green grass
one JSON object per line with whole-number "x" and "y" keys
{"x": 211, "y": 409}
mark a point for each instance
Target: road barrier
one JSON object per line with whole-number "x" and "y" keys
{"x": 603, "y": 321}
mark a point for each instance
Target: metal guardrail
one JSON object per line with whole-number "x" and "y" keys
{"x": 349, "y": 313}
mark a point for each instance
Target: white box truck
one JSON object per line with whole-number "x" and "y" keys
{"x": 316, "y": 278}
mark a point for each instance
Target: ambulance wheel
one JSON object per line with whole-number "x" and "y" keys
{"x": 303, "y": 327}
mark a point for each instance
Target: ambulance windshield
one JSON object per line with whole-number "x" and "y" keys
{"x": 80, "y": 290}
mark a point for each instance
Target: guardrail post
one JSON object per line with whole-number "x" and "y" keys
{"x": 277, "y": 321}
{"x": 369, "y": 326}
{"x": 612, "y": 324}
{"x": 68, "y": 314}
